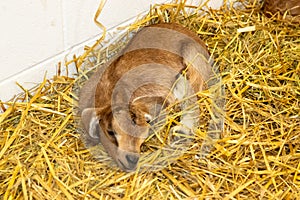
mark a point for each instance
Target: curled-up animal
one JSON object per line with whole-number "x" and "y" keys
{"x": 162, "y": 65}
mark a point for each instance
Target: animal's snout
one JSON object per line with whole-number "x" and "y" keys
{"x": 128, "y": 161}
{"x": 132, "y": 159}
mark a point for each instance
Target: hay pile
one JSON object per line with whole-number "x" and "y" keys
{"x": 258, "y": 155}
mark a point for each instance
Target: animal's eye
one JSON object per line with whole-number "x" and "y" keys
{"x": 111, "y": 133}
{"x": 148, "y": 120}
{"x": 133, "y": 122}
{"x": 112, "y": 136}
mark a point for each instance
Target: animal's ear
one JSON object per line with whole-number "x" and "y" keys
{"x": 90, "y": 122}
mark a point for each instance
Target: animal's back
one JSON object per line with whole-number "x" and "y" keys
{"x": 168, "y": 46}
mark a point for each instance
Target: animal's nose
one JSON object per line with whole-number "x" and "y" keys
{"x": 132, "y": 159}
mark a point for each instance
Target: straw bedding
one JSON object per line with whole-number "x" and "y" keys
{"x": 257, "y": 156}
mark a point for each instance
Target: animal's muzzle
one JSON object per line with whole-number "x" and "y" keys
{"x": 130, "y": 162}
{"x": 132, "y": 159}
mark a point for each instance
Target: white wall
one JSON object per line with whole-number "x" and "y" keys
{"x": 36, "y": 34}
{"x": 32, "y": 30}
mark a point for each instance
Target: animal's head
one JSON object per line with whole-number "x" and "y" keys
{"x": 121, "y": 131}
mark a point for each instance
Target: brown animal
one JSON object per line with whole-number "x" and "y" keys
{"x": 291, "y": 8}
{"x": 161, "y": 64}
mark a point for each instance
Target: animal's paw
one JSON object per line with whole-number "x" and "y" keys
{"x": 179, "y": 135}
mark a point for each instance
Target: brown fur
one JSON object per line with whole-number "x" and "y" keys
{"x": 163, "y": 50}
{"x": 292, "y": 7}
